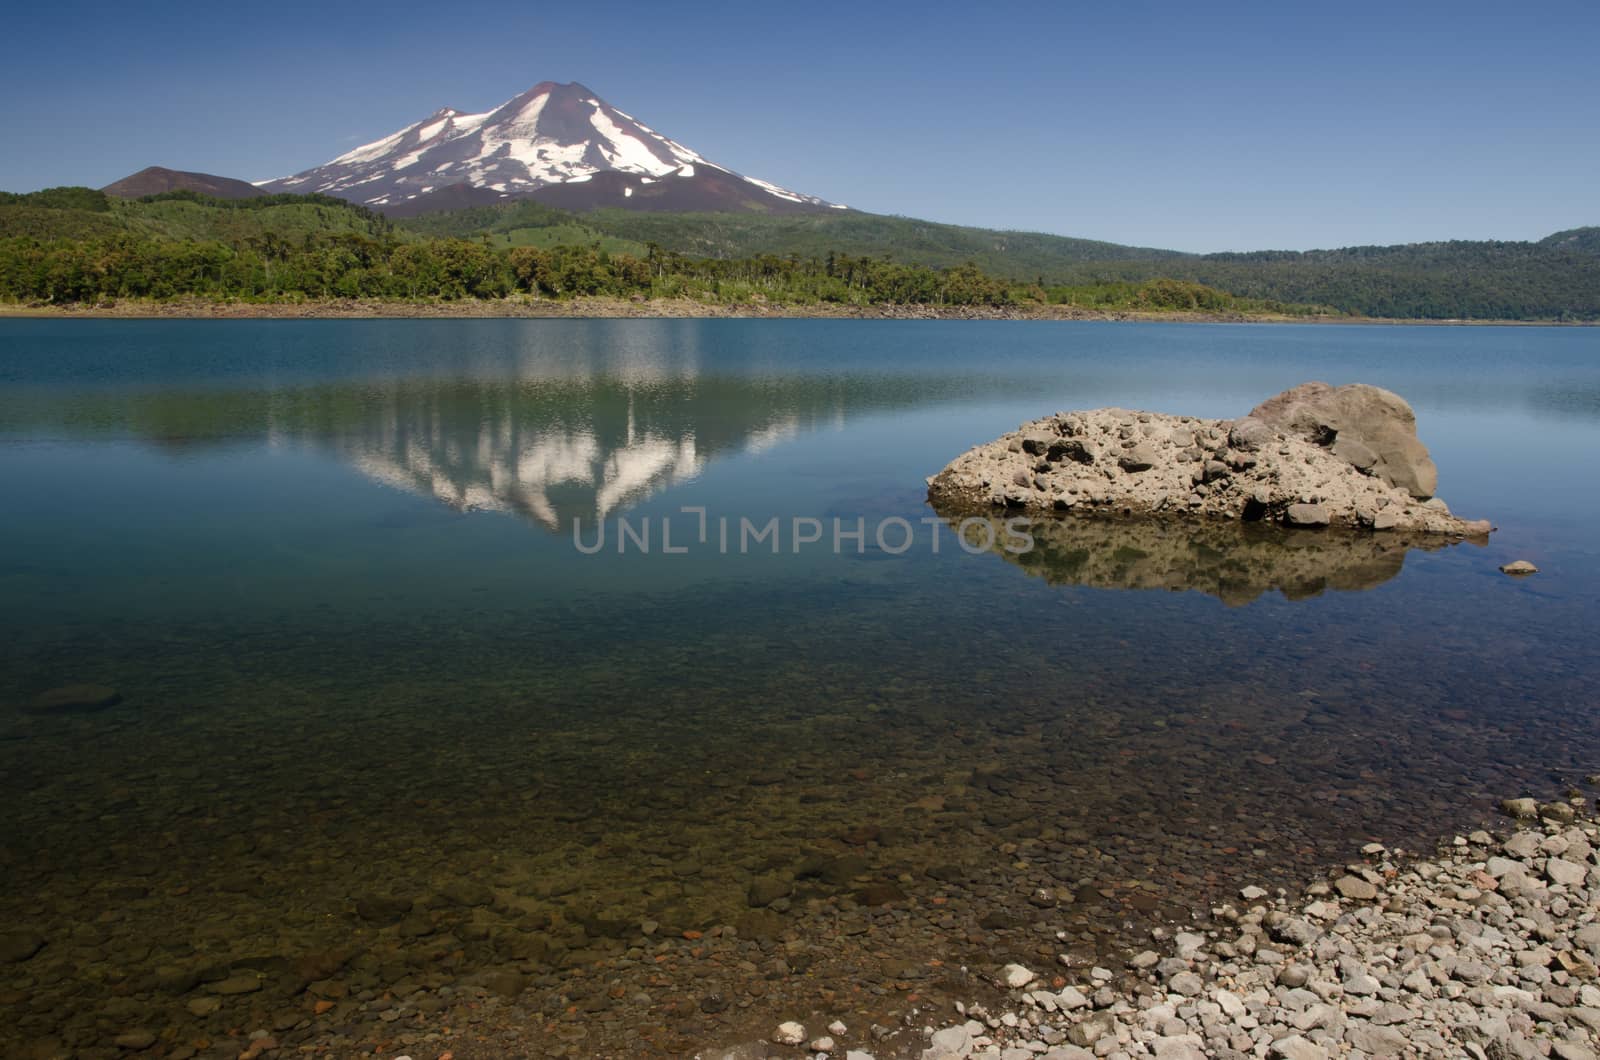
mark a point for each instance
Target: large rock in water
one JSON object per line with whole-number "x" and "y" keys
{"x": 1345, "y": 458}
{"x": 1371, "y": 429}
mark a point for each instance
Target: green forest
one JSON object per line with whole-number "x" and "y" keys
{"x": 66, "y": 246}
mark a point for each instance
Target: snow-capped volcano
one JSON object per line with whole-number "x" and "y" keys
{"x": 557, "y": 143}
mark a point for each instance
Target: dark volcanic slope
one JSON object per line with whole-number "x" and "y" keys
{"x": 154, "y": 180}
{"x": 547, "y": 143}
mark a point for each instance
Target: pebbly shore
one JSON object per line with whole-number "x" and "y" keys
{"x": 1487, "y": 949}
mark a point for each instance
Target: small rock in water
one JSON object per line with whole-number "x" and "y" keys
{"x": 1518, "y": 566}
{"x": 1557, "y": 811}
{"x": 505, "y": 982}
{"x": 790, "y": 1033}
{"x": 1520, "y": 808}
{"x": 879, "y": 893}
{"x": 1017, "y": 976}
{"x": 70, "y": 698}
{"x": 468, "y": 893}
{"x": 243, "y": 983}
{"x": 382, "y": 908}
{"x": 16, "y": 946}
{"x": 139, "y": 1038}
{"x": 764, "y": 890}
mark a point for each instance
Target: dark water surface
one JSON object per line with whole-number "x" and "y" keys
{"x": 330, "y": 568}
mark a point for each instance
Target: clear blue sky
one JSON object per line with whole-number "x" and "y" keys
{"x": 1199, "y": 126}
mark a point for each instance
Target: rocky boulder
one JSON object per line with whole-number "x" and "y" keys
{"x": 1371, "y": 429}
{"x": 1311, "y": 458}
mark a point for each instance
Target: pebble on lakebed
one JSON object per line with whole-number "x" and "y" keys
{"x": 70, "y": 698}
{"x": 1487, "y": 950}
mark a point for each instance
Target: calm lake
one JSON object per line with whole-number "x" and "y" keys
{"x": 398, "y": 754}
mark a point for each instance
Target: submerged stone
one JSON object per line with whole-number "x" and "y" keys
{"x": 382, "y": 908}
{"x": 236, "y": 984}
{"x": 18, "y": 946}
{"x": 764, "y": 890}
{"x": 69, "y": 699}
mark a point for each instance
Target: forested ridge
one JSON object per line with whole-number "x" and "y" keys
{"x": 73, "y": 245}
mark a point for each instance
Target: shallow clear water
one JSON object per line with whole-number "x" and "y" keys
{"x": 331, "y": 569}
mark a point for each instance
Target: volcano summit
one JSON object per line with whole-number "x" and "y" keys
{"x": 558, "y": 144}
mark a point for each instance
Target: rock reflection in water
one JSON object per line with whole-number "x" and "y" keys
{"x": 1237, "y": 563}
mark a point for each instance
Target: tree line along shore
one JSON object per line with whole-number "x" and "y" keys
{"x": 79, "y": 248}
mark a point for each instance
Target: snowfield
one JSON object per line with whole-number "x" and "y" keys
{"x": 552, "y": 134}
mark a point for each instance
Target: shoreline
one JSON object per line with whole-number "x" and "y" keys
{"x": 519, "y": 307}
{"x": 1480, "y": 944}
{"x": 1485, "y": 946}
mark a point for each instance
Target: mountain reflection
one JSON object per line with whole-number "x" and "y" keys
{"x": 1235, "y": 562}
{"x": 555, "y": 453}
{"x": 550, "y": 445}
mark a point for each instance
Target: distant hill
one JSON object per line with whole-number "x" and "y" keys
{"x": 1460, "y": 279}
{"x": 1585, "y": 240}
{"x": 156, "y": 180}
{"x": 1012, "y": 255}
{"x": 63, "y": 214}
{"x": 1554, "y": 279}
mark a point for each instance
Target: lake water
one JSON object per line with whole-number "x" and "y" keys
{"x": 399, "y": 762}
